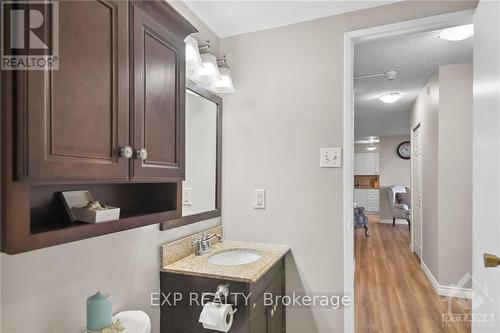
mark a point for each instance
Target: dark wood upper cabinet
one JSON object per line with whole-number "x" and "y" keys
{"x": 158, "y": 99}
{"x": 120, "y": 83}
{"x": 77, "y": 117}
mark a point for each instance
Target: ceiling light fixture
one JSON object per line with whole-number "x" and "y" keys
{"x": 391, "y": 97}
{"x": 372, "y": 146}
{"x": 457, "y": 33}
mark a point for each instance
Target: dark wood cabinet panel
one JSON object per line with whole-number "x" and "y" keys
{"x": 77, "y": 116}
{"x": 158, "y": 99}
{"x": 253, "y": 317}
{"x": 63, "y": 129}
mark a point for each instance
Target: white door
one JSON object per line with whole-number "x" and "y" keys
{"x": 417, "y": 190}
{"x": 486, "y": 166}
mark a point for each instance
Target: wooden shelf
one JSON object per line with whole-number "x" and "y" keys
{"x": 49, "y": 224}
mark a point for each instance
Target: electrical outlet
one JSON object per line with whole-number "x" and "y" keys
{"x": 186, "y": 196}
{"x": 331, "y": 157}
{"x": 259, "y": 199}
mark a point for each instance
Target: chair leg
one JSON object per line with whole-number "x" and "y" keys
{"x": 393, "y": 222}
{"x": 366, "y": 232}
{"x": 409, "y": 224}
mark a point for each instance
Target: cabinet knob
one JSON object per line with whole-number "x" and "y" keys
{"x": 141, "y": 154}
{"x": 126, "y": 151}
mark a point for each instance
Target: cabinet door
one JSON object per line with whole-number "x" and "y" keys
{"x": 158, "y": 95}
{"x": 276, "y": 314}
{"x": 369, "y": 163}
{"x": 360, "y": 197}
{"x": 76, "y": 118}
{"x": 359, "y": 161}
{"x": 259, "y": 316}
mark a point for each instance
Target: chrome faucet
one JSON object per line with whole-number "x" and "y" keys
{"x": 202, "y": 243}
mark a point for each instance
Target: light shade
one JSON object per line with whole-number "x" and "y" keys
{"x": 391, "y": 97}
{"x": 457, "y": 33}
{"x": 371, "y": 148}
{"x": 209, "y": 72}
{"x": 193, "y": 58}
{"x": 224, "y": 85}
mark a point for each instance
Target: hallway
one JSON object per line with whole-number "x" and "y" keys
{"x": 392, "y": 292}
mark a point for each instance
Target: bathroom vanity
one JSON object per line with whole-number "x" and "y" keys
{"x": 249, "y": 284}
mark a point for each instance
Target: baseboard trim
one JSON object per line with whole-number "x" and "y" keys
{"x": 447, "y": 291}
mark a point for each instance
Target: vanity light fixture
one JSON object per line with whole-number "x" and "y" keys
{"x": 458, "y": 33}
{"x": 391, "y": 97}
{"x": 225, "y": 84}
{"x": 193, "y": 58}
{"x": 209, "y": 72}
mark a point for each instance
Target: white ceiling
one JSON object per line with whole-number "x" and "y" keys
{"x": 416, "y": 57}
{"x": 229, "y": 18}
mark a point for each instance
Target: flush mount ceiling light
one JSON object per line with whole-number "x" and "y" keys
{"x": 371, "y": 147}
{"x": 193, "y": 58}
{"x": 391, "y": 97}
{"x": 224, "y": 85}
{"x": 457, "y": 33}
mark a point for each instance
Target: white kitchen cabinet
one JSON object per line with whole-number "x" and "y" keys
{"x": 367, "y": 198}
{"x": 366, "y": 163}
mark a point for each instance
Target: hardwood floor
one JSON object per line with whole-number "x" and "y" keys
{"x": 392, "y": 292}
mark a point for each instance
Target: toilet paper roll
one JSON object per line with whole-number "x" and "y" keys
{"x": 218, "y": 317}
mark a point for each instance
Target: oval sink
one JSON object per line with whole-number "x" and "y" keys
{"x": 234, "y": 257}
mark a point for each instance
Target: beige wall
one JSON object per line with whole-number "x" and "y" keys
{"x": 45, "y": 291}
{"x": 288, "y": 103}
{"x": 455, "y": 172}
{"x": 445, "y": 115}
{"x": 393, "y": 171}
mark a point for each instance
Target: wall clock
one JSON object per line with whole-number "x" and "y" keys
{"x": 404, "y": 150}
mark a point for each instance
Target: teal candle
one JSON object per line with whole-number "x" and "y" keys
{"x": 99, "y": 313}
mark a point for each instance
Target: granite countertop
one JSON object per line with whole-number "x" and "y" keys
{"x": 252, "y": 272}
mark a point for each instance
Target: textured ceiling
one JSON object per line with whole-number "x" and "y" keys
{"x": 229, "y": 18}
{"x": 416, "y": 57}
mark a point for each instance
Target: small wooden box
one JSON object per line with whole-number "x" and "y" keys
{"x": 75, "y": 201}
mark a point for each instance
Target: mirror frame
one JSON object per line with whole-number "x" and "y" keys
{"x": 185, "y": 220}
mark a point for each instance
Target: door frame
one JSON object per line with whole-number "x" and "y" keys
{"x": 350, "y": 39}
{"x": 412, "y": 241}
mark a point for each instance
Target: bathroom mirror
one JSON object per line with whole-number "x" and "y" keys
{"x": 201, "y": 188}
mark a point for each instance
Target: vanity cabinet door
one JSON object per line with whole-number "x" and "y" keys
{"x": 276, "y": 313}
{"x": 73, "y": 120}
{"x": 158, "y": 99}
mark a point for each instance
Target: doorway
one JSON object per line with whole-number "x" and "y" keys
{"x": 351, "y": 39}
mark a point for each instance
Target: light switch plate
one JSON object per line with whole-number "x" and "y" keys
{"x": 259, "y": 199}
{"x": 331, "y": 157}
{"x": 186, "y": 196}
